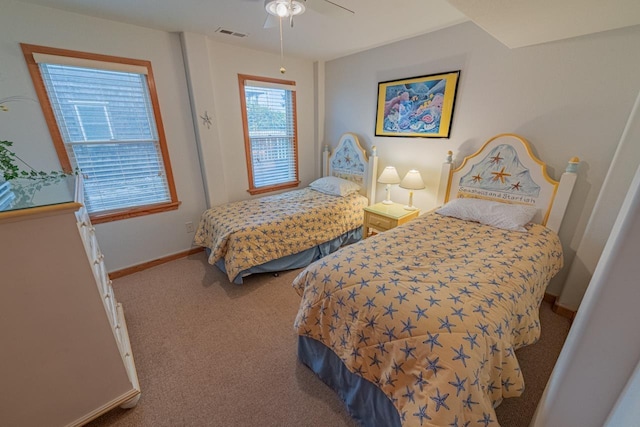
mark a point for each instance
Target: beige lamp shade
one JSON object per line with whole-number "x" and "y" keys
{"x": 412, "y": 181}
{"x": 389, "y": 176}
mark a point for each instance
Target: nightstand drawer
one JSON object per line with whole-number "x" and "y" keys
{"x": 383, "y": 217}
{"x": 381, "y": 223}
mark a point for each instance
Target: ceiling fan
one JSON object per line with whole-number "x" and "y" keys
{"x": 277, "y": 9}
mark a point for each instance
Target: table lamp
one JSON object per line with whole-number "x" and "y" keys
{"x": 412, "y": 181}
{"x": 389, "y": 176}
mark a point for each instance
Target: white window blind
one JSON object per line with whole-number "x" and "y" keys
{"x": 270, "y": 113}
{"x": 107, "y": 124}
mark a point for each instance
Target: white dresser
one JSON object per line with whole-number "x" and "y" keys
{"x": 65, "y": 356}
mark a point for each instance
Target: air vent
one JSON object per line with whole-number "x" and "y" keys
{"x": 231, "y": 32}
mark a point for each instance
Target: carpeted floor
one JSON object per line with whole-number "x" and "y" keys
{"x": 210, "y": 353}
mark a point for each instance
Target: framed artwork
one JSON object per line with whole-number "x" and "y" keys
{"x": 418, "y": 106}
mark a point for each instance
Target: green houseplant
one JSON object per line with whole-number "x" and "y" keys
{"x": 12, "y": 167}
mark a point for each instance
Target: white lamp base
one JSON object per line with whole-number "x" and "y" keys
{"x": 410, "y": 206}
{"x": 388, "y": 201}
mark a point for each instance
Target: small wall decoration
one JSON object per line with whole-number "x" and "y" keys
{"x": 418, "y": 106}
{"x": 206, "y": 119}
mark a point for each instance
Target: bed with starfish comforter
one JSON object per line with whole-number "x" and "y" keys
{"x": 429, "y": 315}
{"x": 251, "y": 233}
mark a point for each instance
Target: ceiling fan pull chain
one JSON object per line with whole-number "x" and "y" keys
{"x": 282, "y": 69}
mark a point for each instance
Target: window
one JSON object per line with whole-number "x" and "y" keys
{"x": 104, "y": 119}
{"x": 270, "y": 134}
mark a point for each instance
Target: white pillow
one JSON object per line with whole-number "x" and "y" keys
{"x": 500, "y": 215}
{"x": 335, "y": 186}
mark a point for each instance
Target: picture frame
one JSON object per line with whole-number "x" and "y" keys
{"x": 417, "y": 106}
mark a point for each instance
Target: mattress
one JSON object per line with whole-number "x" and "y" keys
{"x": 431, "y": 313}
{"x": 253, "y": 232}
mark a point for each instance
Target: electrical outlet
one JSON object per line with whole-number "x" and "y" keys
{"x": 189, "y": 226}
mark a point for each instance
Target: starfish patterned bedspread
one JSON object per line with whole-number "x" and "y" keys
{"x": 252, "y": 232}
{"x": 431, "y": 313}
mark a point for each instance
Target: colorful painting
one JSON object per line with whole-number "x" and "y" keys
{"x": 417, "y": 107}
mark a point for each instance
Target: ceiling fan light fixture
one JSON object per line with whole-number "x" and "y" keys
{"x": 284, "y": 8}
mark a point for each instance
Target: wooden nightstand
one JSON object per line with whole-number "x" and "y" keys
{"x": 383, "y": 217}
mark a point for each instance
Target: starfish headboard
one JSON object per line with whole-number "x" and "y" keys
{"x": 350, "y": 161}
{"x": 505, "y": 169}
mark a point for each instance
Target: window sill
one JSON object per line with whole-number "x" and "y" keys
{"x": 132, "y": 213}
{"x": 254, "y": 191}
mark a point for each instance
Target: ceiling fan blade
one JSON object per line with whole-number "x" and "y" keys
{"x": 328, "y": 7}
{"x": 270, "y": 21}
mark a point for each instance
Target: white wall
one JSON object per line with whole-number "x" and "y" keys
{"x": 568, "y": 98}
{"x": 126, "y": 242}
{"x": 195, "y": 51}
{"x": 626, "y": 412}
{"x": 619, "y": 176}
{"x": 603, "y": 346}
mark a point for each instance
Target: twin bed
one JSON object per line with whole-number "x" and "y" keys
{"x": 292, "y": 229}
{"x": 419, "y": 325}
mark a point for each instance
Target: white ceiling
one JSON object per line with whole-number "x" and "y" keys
{"x": 318, "y": 36}
{"x": 315, "y": 36}
{"x": 527, "y": 22}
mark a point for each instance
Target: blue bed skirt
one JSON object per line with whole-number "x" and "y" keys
{"x": 299, "y": 260}
{"x": 364, "y": 401}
